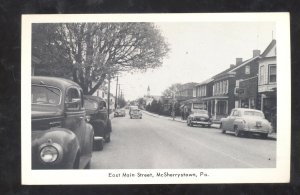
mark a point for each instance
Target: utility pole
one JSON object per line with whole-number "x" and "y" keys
{"x": 119, "y": 90}
{"x": 108, "y": 96}
{"x": 116, "y": 100}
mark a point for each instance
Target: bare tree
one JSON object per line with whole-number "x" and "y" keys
{"x": 172, "y": 90}
{"x": 96, "y": 50}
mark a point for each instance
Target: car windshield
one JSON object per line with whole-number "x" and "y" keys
{"x": 200, "y": 112}
{"x": 90, "y": 104}
{"x": 45, "y": 95}
{"x": 254, "y": 113}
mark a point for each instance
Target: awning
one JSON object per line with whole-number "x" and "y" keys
{"x": 215, "y": 98}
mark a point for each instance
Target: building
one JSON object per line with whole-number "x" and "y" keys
{"x": 185, "y": 92}
{"x": 267, "y": 83}
{"x": 204, "y": 90}
{"x": 234, "y": 87}
{"x": 104, "y": 95}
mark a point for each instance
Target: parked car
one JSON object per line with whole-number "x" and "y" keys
{"x": 97, "y": 116}
{"x": 199, "y": 117}
{"x": 135, "y": 113}
{"x": 120, "y": 112}
{"x": 61, "y": 138}
{"x": 242, "y": 120}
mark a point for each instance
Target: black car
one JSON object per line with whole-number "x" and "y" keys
{"x": 199, "y": 117}
{"x": 97, "y": 116}
{"x": 61, "y": 138}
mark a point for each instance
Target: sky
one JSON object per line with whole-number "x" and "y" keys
{"x": 199, "y": 51}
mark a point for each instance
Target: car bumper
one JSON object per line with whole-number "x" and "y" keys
{"x": 201, "y": 122}
{"x": 135, "y": 116}
{"x": 251, "y": 130}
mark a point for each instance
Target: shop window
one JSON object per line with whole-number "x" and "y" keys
{"x": 272, "y": 73}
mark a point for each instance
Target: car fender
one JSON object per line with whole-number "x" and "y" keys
{"x": 223, "y": 122}
{"x": 239, "y": 123}
{"x": 61, "y": 136}
{"x": 88, "y": 140}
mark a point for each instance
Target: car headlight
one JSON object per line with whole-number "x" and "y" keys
{"x": 49, "y": 153}
{"x": 87, "y": 118}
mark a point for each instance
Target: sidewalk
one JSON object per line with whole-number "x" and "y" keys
{"x": 214, "y": 125}
{"x": 177, "y": 119}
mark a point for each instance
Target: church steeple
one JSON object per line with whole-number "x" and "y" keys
{"x": 148, "y": 91}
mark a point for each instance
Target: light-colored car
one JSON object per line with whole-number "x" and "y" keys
{"x": 199, "y": 117}
{"x": 242, "y": 120}
{"x": 135, "y": 113}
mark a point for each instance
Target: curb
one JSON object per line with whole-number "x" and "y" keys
{"x": 177, "y": 120}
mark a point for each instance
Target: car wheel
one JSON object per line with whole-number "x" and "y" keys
{"x": 264, "y": 135}
{"x": 187, "y": 123}
{"x": 191, "y": 124}
{"x": 98, "y": 145}
{"x": 88, "y": 166}
{"x": 237, "y": 131}
{"x": 107, "y": 138}
{"x": 221, "y": 127}
{"x": 76, "y": 162}
{"x": 208, "y": 126}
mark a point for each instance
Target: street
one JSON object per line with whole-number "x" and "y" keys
{"x": 157, "y": 143}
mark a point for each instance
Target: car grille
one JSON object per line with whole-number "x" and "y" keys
{"x": 201, "y": 119}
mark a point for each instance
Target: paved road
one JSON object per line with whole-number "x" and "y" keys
{"x": 157, "y": 143}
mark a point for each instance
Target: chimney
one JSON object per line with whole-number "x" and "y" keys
{"x": 238, "y": 61}
{"x": 232, "y": 65}
{"x": 256, "y": 52}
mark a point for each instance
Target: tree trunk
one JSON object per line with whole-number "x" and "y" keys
{"x": 99, "y": 83}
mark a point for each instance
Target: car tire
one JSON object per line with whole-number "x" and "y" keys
{"x": 208, "y": 126}
{"x": 88, "y": 166}
{"x": 76, "y": 162}
{"x": 107, "y": 138}
{"x": 191, "y": 124}
{"x": 98, "y": 146}
{"x": 187, "y": 123}
{"x": 264, "y": 135}
{"x": 223, "y": 130}
{"x": 237, "y": 132}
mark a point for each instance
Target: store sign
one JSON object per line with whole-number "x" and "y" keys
{"x": 264, "y": 88}
{"x": 199, "y": 106}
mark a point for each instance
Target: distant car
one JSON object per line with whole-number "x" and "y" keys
{"x": 61, "y": 138}
{"x": 97, "y": 115}
{"x": 199, "y": 117}
{"x": 135, "y": 113}
{"x": 242, "y": 120}
{"x": 119, "y": 112}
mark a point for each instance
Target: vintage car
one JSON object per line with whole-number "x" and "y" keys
{"x": 97, "y": 115}
{"x": 243, "y": 120}
{"x": 120, "y": 112}
{"x": 135, "y": 113}
{"x": 199, "y": 117}
{"x": 61, "y": 138}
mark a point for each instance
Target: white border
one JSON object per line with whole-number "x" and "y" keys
{"x": 280, "y": 174}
